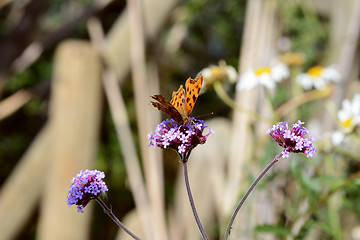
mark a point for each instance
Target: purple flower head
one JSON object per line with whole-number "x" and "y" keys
{"x": 293, "y": 140}
{"x": 183, "y": 138}
{"x": 85, "y": 186}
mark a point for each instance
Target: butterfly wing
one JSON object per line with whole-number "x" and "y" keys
{"x": 178, "y": 101}
{"x": 181, "y": 105}
{"x": 164, "y": 105}
{"x": 193, "y": 87}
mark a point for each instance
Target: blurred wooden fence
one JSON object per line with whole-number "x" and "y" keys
{"x": 69, "y": 140}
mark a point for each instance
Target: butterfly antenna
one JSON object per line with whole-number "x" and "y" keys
{"x": 204, "y": 115}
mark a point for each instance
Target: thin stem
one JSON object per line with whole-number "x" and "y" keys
{"x": 299, "y": 100}
{"x": 193, "y": 208}
{"x": 228, "y": 101}
{"x": 115, "y": 219}
{"x": 228, "y": 229}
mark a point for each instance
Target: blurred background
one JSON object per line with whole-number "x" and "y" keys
{"x": 75, "y": 81}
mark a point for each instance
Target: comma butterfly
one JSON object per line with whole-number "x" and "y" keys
{"x": 182, "y": 102}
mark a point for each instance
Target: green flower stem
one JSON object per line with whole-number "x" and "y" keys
{"x": 228, "y": 101}
{"x": 193, "y": 208}
{"x": 270, "y": 99}
{"x": 228, "y": 229}
{"x": 115, "y": 219}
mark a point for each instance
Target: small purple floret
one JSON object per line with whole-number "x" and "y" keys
{"x": 85, "y": 186}
{"x": 183, "y": 138}
{"x": 293, "y": 140}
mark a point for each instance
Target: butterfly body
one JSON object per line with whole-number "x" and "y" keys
{"x": 182, "y": 101}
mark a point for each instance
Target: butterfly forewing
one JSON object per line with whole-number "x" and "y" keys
{"x": 193, "y": 87}
{"x": 178, "y": 100}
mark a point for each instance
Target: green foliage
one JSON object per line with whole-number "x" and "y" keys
{"x": 109, "y": 157}
{"x": 39, "y": 72}
{"x": 277, "y": 230}
{"x": 325, "y": 226}
{"x": 282, "y": 95}
{"x": 352, "y": 197}
{"x": 214, "y": 31}
{"x": 310, "y": 186}
{"x": 307, "y": 30}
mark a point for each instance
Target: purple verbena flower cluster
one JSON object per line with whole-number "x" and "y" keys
{"x": 85, "y": 186}
{"x": 293, "y": 140}
{"x": 181, "y": 137}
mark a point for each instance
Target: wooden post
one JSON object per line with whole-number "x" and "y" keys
{"x": 75, "y": 110}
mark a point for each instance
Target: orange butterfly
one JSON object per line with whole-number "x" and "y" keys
{"x": 182, "y": 103}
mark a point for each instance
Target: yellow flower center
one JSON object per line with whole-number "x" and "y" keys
{"x": 262, "y": 70}
{"x": 347, "y": 124}
{"x": 315, "y": 71}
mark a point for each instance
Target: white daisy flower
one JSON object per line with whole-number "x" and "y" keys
{"x": 266, "y": 76}
{"x": 317, "y": 77}
{"x": 349, "y": 115}
{"x": 337, "y": 138}
{"x": 280, "y": 72}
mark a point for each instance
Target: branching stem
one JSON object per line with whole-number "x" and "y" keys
{"x": 115, "y": 219}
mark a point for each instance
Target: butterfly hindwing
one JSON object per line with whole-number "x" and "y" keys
{"x": 163, "y": 105}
